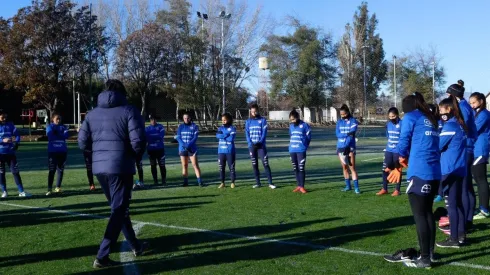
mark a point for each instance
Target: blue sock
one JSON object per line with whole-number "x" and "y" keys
{"x": 385, "y": 180}
{"x": 356, "y": 184}
{"x": 186, "y": 181}
{"x": 347, "y": 183}
{"x": 199, "y": 181}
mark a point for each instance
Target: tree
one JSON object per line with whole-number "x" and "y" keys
{"x": 44, "y": 46}
{"x": 414, "y": 73}
{"x": 360, "y": 39}
{"x": 142, "y": 58}
{"x": 301, "y": 65}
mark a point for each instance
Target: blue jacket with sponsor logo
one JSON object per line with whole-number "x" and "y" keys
{"x": 393, "y": 135}
{"x": 154, "y": 137}
{"x": 187, "y": 136}
{"x": 482, "y": 121}
{"x": 256, "y": 131}
{"x": 452, "y": 143}
{"x": 8, "y": 130}
{"x": 226, "y": 136}
{"x": 346, "y": 131}
{"x": 300, "y": 137}
{"x": 57, "y": 135}
{"x": 419, "y": 142}
{"x": 469, "y": 120}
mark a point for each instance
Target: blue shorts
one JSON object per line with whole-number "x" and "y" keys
{"x": 422, "y": 187}
{"x": 187, "y": 153}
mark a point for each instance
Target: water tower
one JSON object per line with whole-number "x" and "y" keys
{"x": 263, "y": 80}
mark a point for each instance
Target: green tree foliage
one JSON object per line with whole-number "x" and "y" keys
{"x": 301, "y": 65}
{"x": 44, "y": 45}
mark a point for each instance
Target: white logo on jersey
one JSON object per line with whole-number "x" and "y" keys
{"x": 397, "y": 126}
{"x": 348, "y": 121}
{"x": 192, "y": 127}
{"x": 301, "y": 126}
{"x": 229, "y": 129}
{"x": 427, "y": 123}
{"x": 260, "y": 121}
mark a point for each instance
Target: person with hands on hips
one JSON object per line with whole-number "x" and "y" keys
{"x": 187, "y": 135}
{"x": 9, "y": 143}
{"x": 346, "y": 147}
{"x": 256, "y": 134}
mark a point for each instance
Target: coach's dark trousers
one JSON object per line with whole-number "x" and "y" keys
{"x": 117, "y": 189}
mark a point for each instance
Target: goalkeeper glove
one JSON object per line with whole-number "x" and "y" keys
{"x": 395, "y": 175}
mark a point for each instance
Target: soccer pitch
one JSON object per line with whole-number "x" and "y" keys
{"x": 226, "y": 231}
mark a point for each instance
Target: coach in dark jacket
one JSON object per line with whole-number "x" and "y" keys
{"x": 115, "y": 133}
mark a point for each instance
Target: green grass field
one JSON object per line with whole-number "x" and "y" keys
{"x": 232, "y": 231}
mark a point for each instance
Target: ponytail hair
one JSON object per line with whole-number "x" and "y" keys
{"x": 452, "y": 103}
{"x": 480, "y": 97}
{"x": 345, "y": 108}
{"x": 422, "y": 106}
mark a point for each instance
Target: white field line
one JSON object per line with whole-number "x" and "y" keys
{"x": 365, "y": 160}
{"x": 127, "y": 257}
{"x": 252, "y": 238}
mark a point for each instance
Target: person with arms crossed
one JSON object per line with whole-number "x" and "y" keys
{"x": 256, "y": 135}
{"x": 226, "y": 149}
{"x": 9, "y": 143}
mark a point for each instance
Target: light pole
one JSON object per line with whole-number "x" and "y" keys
{"x": 394, "y": 77}
{"x": 203, "y": 17}
{"x": 434, "y": 81}
{"x": 223, "y": 16}
{"x": 364, "y": 78}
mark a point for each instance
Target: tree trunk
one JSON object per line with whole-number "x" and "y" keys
{"x": 196, "y": 114}
{"x": 177, "y": 111}
{"x": 143, "y": 103}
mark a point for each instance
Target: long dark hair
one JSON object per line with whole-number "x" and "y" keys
{"x": 294, "y": 114}
{"x": 417, "y": 99}
{"x": 228, "y": 117}
{"x": 453, "y": 104}
{"x": 394, "y": 110}
{"x": 345, "y": 108}
{"x": 480, "y": 97}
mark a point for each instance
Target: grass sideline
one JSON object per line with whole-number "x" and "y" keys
{"x": 232, "y": 231}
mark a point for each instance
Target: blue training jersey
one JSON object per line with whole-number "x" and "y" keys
{"x": 154, "y": 137}
{"x": 300, "y": 137}
{"x": 8, "y": 130}
{"x": 57, "y": 135}
{"x": 469, "y": 120}
{"x": 346, "y": 131}
{"x": 419, "y": 142}
{"x": 393, "y": 135}
{"x": 226, "y": 139}
{"x": 452, "y": 143}
{"x": 187, "y": 136}
{"x": 256, "y": 130}
{"x": 482, "y": 122}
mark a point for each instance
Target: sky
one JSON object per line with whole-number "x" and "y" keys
{"x": 458, "y": 30}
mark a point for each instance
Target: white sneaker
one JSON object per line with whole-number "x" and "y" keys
{"x": 257, "y": 186}
{"x": 24, "y": 194}
{"x": 272, "y": 186}
{"x": 4, "y": 195}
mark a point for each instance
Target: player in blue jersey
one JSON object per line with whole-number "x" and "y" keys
{"x": 57, "y": 151}
{"x": 226, "y": 149}
{"x": 256, "y": 135}
{"x": 299, "y": 142}
{"x": 9, "y": 143}
{"x": 155, "y": 134}
{"x": 481, "y": 152}
{"x": 346, "y": 147}
{"x": 187, "y": 135}
{"x": 469, "y": 198}
{"x": 87, "y": 156}
{"x": 390, "y": 161}
{"x": 452, "y": 144}
{"x": 418, "y": 148}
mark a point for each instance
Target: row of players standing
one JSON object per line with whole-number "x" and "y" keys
{"x": 446, "y": 157}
